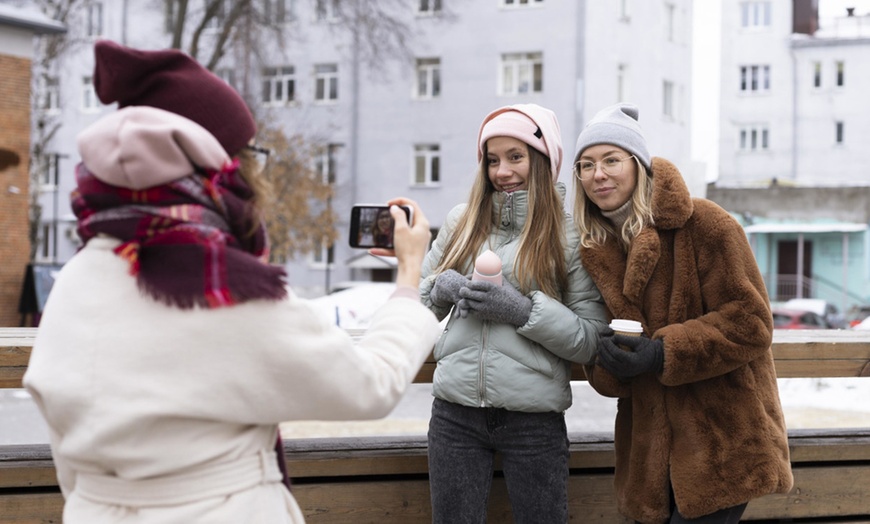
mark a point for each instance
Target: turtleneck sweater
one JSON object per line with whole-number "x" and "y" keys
{"x": 619, "y": 215}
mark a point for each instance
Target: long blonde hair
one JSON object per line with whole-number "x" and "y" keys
{"x": 540, "y": 257}
{"x": 594, "y": 227}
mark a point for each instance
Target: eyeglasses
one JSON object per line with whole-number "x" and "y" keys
{"x": 261, "y": 154}
{"x": 611, "y": 166}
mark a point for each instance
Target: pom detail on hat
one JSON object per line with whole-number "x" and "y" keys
{"x": 173, "y": 81}
{"x": 616, "y": 125}
{"x": 532, "y": 124}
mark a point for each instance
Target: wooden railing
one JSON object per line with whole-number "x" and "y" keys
{"x": 384, "y": 479}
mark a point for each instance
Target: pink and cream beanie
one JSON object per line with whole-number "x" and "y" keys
{"x": 535, "y": 125}
{"x": 173, "y": 81}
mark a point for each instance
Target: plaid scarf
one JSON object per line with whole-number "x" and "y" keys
{"x": 192, "y": 242}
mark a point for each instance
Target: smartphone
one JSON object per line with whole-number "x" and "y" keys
{"x": 371, "y": 225}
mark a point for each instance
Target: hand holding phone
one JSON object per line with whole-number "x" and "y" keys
{"x": 372, "y": 225}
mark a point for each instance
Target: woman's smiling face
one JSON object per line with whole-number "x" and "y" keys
{"x": 609, "y": 192}
{"x": 508, "y": 163}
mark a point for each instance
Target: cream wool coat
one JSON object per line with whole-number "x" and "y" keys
{"x": 136, "y": 389}
{"x": 711, "y": 422}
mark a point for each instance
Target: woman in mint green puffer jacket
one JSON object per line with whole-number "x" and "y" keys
{"x": 502, "y": 381}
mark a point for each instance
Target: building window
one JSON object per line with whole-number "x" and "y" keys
{"x": 89, "y": 95}
{"x": 49, "y": 171}
{"x": 839, "y": 132}
{"x": 521, "y": 73}
{"x": 325, "y": 162}
{"x": 279, "y": 85}
{"x": 325, "y": 82}
{"x": 755, "y": 78}
{"x": 94, "y": 23}
{"x": 520, "y": 3}
{"x": 754, "y": 14}
{"x": 429, "y": 7}
{"x": 47, "y": 241}
{"x": 217, "y": 10}
{"x": 228, "y": 75}
{"x": 323, "y": 255}
{"x": 326, "y": 10}
{"x": 50, "y": 100}
{"x": 668, "y": 99}
{"x": 279, "y": 11}
{"x": 670, "y": 22}
{"x": 427, "y": 164}
{"x": 754, "y": 138}
{"x": 841, "y": 72}
{"x": 428, "y": 78}
{"x": 625, "y": 10}
{"x": 817, "y": 74}
{"x": 621, "y": 82}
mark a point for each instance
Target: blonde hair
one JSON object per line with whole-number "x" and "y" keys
{"x": 540, "y": 258}
{"x": 594, "y": 227}
{"x": 252, "y": 172}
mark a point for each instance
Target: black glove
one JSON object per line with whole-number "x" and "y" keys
{"x": 489, "y": 301}
{"x": 445, "y": 292}
{"x": 646, "y": 355}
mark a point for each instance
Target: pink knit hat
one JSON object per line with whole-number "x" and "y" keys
{"x": 173, "y": 81}
{"x": 535, "y": 125}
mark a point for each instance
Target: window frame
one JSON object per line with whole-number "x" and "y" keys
{"x": 430, "y": 68}
{"x": 326, "y": 162}
{"x": 755, "y": 79}
{"x": 426, "y": 165}
{"x": 753, "y": 138}
{"x": 326, "y": 83}
{"x": 755, "y": 14}
{"x": 283, "y": 80}
{"x": 94, "y": 21}
{"x": 839, "y": 132}
{"x": 429, "y": 7}
{"x": 89, "y": 102}
{"x": 511, "y": 69}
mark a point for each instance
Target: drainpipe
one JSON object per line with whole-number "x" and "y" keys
{"x": 794, "y": 114}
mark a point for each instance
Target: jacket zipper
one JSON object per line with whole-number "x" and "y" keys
{"x": 507, "y": 220}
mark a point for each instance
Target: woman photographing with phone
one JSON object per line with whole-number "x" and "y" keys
{"x": 501, "y": 384}
{"x": 170, "y": 349}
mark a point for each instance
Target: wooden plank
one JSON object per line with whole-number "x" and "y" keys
{"x": 31, "y": 508}
{"x": 818, "y": 492}
{"x": 798, "y": 353}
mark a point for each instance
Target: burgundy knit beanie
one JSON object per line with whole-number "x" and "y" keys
{"x": 173, "y": 81}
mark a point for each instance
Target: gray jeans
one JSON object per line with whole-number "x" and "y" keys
{"x": 534, "y": 452}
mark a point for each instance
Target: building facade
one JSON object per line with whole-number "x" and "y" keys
{"x": 792, "y": 144}
{"x": 407, "y": 125}
{"x": 17, "y": 30}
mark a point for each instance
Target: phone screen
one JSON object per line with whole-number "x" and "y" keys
{"x": 372, "y": 226}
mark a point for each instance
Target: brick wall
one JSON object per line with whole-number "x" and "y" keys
{"x": 14, "y": 136}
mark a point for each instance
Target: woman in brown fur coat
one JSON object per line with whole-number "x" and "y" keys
{"x": 699, "y": 428}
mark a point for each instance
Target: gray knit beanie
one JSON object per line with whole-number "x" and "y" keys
{"x": 615, "y": 125}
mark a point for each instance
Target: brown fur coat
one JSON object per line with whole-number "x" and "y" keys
{"x": 711, "y": 423}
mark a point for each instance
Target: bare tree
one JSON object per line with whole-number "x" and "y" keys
{"x": 50, "y": 48}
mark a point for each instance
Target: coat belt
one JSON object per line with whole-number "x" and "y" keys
{"x": 202, "y": 482}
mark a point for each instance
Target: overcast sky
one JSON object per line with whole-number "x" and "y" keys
{"x": 707, "y": 35}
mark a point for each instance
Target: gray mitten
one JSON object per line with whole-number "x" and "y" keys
{"x": 503, "y": 304}
{"x": 445, "y": 292}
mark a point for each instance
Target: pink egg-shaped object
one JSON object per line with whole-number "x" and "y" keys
{"x": 488, "y": 267}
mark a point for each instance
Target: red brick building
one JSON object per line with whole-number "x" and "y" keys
{"x": 17, "y": 30}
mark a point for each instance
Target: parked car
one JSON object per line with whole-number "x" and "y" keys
{"x": 857, "y": 314}
{"x": 821, "y": 307}
{"x": 797, "y": 319}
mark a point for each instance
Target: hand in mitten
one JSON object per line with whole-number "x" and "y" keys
{"x": 645, "y": 355}
{"x": 445, "y": 292}
{"x": 489, "y": 301}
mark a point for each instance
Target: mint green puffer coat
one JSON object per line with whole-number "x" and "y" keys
{"x": 485, "y": 364}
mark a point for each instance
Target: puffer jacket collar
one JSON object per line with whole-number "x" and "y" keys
{"x": 510, "y": 210}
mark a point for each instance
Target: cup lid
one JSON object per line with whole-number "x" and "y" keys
{"x": 631, "y": 326}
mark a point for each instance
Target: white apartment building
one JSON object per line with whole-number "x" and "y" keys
{"x": 793, "y": 95}
{"x": 410, "y": 126}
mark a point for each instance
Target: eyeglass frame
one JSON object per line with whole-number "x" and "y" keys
{"x": 597, "y": 165}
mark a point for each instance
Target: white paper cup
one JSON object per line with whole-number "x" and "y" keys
{"x": 629, "y": 328}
